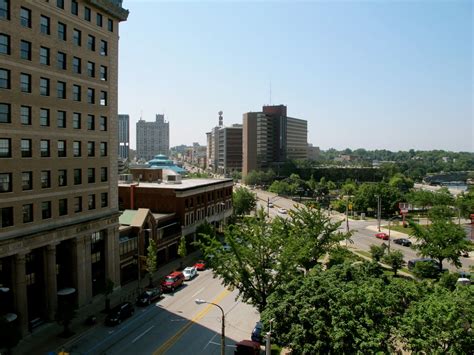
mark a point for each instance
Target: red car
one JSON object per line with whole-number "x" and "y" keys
{"x": 200, "y": 265}
{"x": 172, "y": 281}
{"x": 382, "y": 235}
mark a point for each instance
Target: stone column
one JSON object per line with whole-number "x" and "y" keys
{"x": 21, "y": 295}
{"x": 51, "y": 281}
{"x": 112, "y": 256}
{"x": 83, "y": 269}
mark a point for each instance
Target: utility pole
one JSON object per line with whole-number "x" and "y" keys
{"x": 379, "y": 211}
{"x": 347, "y": 218}
{"x": 268, "y": 206}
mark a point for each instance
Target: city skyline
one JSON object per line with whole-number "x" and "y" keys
{"x": 368, "y": 75}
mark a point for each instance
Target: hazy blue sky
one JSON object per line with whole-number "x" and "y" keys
{"x": 364, "y": 74}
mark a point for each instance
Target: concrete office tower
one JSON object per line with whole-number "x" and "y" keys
{"x": 224, "y": 148}
{"x": 58, "y": 153}
{"x": 124, "y": 136}
{"x": 153, "y": 138}
{"x": 271, "y": 137}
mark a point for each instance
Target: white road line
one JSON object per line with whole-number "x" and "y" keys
{"x": 198, "y": 292}
{"x": 142, "y": 334}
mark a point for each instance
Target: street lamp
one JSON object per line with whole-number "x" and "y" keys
{"x": 268, "y": 342}
{"x": 201, "y": 301}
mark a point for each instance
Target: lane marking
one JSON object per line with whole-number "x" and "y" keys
{"x": 142, "y": 334}
{"x": 198, "y": 292}
{"x": 171, "y": 341}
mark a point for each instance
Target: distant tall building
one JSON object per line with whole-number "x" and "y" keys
{"x": 153, "y": 138}
{"x": 224, "y": 148}
{"x": 271, "y": 137}
{"x": 124, "y": 136}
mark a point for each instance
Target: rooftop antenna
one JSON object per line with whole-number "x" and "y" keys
{"x": 141, "y": 115}
{"x": 221, "y": 119}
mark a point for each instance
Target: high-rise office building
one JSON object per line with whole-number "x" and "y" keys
{"x": 271, "y": 137}
{"x": 153, "y": 138}
{"x": 124, "y": 136}
{"x": 58, "y": 153}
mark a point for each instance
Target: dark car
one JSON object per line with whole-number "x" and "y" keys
{"x": 119, "y": 313}
{"x": 257, "y": 332}
{"x": 172, "y": 281}
{"x": 147, "y": 297}
{"x": 402, "y": 241}
{"x": 247, "y": 347}
{"x": 412, "y": 263}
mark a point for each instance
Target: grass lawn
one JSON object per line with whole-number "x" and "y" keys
{"x": 399, "y": 228}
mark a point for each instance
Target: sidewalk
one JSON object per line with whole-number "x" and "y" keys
{"x": 45, "y": 339}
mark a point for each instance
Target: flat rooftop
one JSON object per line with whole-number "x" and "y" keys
{"x": 185, "y": 184}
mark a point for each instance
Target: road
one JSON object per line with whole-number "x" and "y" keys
{"x": 176, "y": 324}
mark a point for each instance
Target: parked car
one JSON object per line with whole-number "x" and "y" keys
{"x": 382, "y": 235}
{"x": 200, "y": 265}
{"x": 402, "y": 241}
{"x": 257, "y": 332}
{"x": 172, "y": 281}
{"x": 247, "y": 347}
{"x": 412, "y": 263}
{"x": 150, "y": 295}
{"x": 465, "y": 254}
{"x": 282, "y": 211}
{"x": 270, "y": 205}
{"x": 189, "y": 272}
{"x": 119, "y": 313}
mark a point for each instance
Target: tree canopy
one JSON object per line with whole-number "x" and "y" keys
{"x": 244, "y": 201}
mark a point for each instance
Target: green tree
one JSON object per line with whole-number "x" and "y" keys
{"x": 377, "y": 252}
{"x": 205, "y": 228}
{"x": 401, "y": 182}
{"x": 395, "y": 260}
{"x": 151, "y": 260}
{"x": 244, "y": 201}
{"x": 465, "y": 203}
{"x": 182, "y": 252}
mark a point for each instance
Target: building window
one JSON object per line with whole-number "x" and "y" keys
{"x": 46, "y": 209}
{"x": 91, "y": 69}
{"x": 27, "y": 211}
{"x": 44, "y": 117}
{"x": 25, "y": 17}
{"x": 91, "y": 202}
{"x": 90, "y": 96}
{"x": 44, "y": 148}
{"x": 76, "y": 93}
{"x": 103, "y": 73}
{"x": 74, "y": 7}
{"x": 76, "y": 65}
{"x": 5, "y": 9}
{"x": 25, "y": 83}
{"x": 76, "y": 37}
{"x": 104, "y": 199}
{"x": 5, "y": 114}
{"x": 103, "y": 123}
{"x": 44, "y": 55}
{"x": 76, "y": 120}
{"x": 103, "y": 98}
{"x": 6, "y": 213}
{"x": 25, "y": 115}
{"x": 103, "y": 149}
{"x": 103, "y": 48}
{"x": 4, "y": 79}
{"x": 87, "y": 14}
{"x": 99, "y": 20}
{"x": 61, "y": 90}
{"x": 90, "y": 122}
{"x": 62, "y": 31}
{"x": 91, "y": 42}
{"x": 62, "y": 177}
{"x": 44, "y": 25}
{"x": 110, "y": 25}
{"x": 62, "y": 206}
{"x": 61, "y": 119}
{"x": 60, "y": 4}
{"x": 91, "y": 175}
{"x": 77, "y": 176}
{"x": 77, "y": 204}
{"x": 103, "y": 174}
{"x": 45, "y": 179}
{"x": 26, "y": 148}
{"x": 5, "y": 148}
{"x": 44, "y": 86}
{"x": 25, "y": 50}
{"x": 62, "y": 149}
{"x": 5, "y": 182}
{"x": 76, "y": 148}
{"x": 90, "y": 149}
{"x": 27, "y": 180}
{"x": 4, "y": 44}
{"x": 62, "y": 61}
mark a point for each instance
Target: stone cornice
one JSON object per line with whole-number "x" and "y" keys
{"x": 111, "y": 8}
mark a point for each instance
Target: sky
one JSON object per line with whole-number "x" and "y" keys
{"x": 394, "y": 75}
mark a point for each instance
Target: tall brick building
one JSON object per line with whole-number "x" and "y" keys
{"x": 58, "y": 152}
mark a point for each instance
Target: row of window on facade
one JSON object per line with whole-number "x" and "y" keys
{"x": 7, "y": 213}
{"x": 200, "y": 213}
{"x": 45, "y": 118}
{"x": 26, "y": 17}
{"x": 27, "y": 178}
{"x": 211, "y": 196}
{"x": 26, "y": 148}
{"x": 128, "y": 246}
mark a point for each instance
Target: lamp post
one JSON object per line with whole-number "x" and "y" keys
{"x": 379, "y": 211}
{"x": 201, "y": 301}
{"x": 268, "y": 346}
